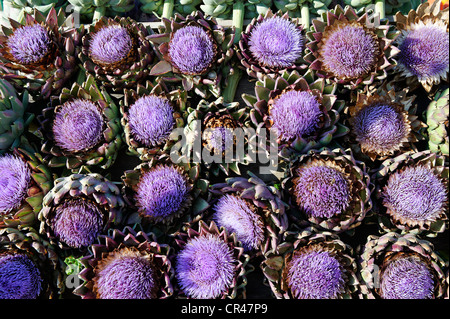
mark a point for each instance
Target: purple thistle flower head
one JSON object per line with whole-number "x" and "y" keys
{"x": 295, "y": 114}
{"x": 77, "y": 222}
{"x": 126, "y": 275}
{"x": 29, "y": 44}
{"x": 315, "y": 274}
{"x": 151, "y": 120}
{"x": 15, "y": 177}
{"x": 321, "y": 191}
{"x": 192, "y": 50}
{"x": 162, "y": 192}
{"x": 20, "y": 278}
{"x": 205, "y": 267}
{"x": 415, "y": 193}
{"x": 218, "y": 138}
{"x": 238, "y": 217}
{"x": 349, "y": 50}
{"x": 78, "y": 125}
{"x": 406, "y": 278}
{"x": 110, "y": 44}
{"x": 276, "y": 42}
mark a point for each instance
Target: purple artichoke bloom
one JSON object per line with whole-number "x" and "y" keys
{"x": 29, "y": 44}
{"x": 236, "y": 215}
{"x": 151, "y": 120}
{"x": 127, "y": 275}
{"x": 77, "y": 222}
{"x": 295, "y": 114}
{"x": 415, "y": 193}
{"x": 110, "y": 44}
{"x": 276, "y": 42}
{"x": 19, "y": 277}
{"x": 78, "y": 125}
{"x": 322, "y": 191}
{"x": 406, "y": 278}
{"x": 205, "y": 267}
{"x": 218, "y": 138}
{"x": 191, "y": 50}
{"x": 315, "y": 274}
{"x": 15, "y": 177}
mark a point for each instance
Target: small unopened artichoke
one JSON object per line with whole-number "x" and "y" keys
{"x": 436, "y": 118}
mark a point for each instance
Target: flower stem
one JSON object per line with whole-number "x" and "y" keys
{"x": 168, "y": 9}
{"x": 232, "y": 83}
{"x": 238, "y": 19}
{"x": 304, "y": 11}
{"x": 99, "y": 12}
{"x": 380, "y": 7}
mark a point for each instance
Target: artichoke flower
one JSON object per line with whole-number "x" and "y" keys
{"x": 311, "y": 264}
{"x": 81, "y": 127}
{"x": 79, "y": 208}
{"x": 195, "y": 51}
{"x": 349, "y": 49}
{"x": 126, "y": 264}
{"x": 395, "y": 266}
{"x": 423, "y": 44}
{"x": 94, "y": 10}
{"x": 30, "y": 267}
{"x": 437, "y": 121}
{"x": 19, "y": 8}
{"x": 14, "y": 118}
{"x": 329, "y": 189}
{"x": 413, "y": 189}
{"x": 117, "y": 53}
{"x": 40, "y": 55}
{"x": 302, "y": 110}
{"x": 210, "y": 263}
{"x": 25, "y": 180}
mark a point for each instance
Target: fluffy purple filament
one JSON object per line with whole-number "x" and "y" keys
{"x": 322, "y": 191}
{"x": 315, "y": 275}
{"x": 110, "y": 44}
{"x": 78, "y": 125}
{"x": 237, "y": 217}
{"x": 15, "y": 177}
{"x": 219, "y": 138}
{"x": 151, "y": 120}
{"x": 29, "y": 44}
{"x": 415, "y": 193}
{"x": 191, "y": 50}
{"x": 205, "y": 267}
{"x": 77, "y": 222}
{"x": 20, "y": 278}
{"x": 407, "y": 278}
{"x": 276, "y": 42}
{"x": 295, "y": 114}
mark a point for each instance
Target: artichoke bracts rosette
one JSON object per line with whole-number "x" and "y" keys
{"x": 79, "y": 208}
{"x": 304, "y": 9}
{"x": 93, "y": 10}
{"x": 117, "y": 53}
{"x": 311, "y": 264}
{"x": 81, "y": 127}
{"x": 226, "y": 9}
{"x": 210, "y": 263}
{"x": 127, "y": 264}
{"x": 351, "y": 49}
{"x": 395, "y": 266}
{"x": 30, "y": 267}
{"x": 412, "y": 189}
{"x": 25, "y": 180}
{"x": 329, "y": 188}
{"x": 436, "y": 117}
{"x": 150, "y": 113}
{"x": 19, "y": 8}
{"x": 194, "y": 50}
{"x": 41, "y": 55}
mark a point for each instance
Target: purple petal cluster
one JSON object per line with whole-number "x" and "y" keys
{"x": 295, "y": 114}
{"x": 276, "y": 42}
{"x": 29, "y": 43}
{"x": 151, "y": 120}
{"x": 78, "y": 125}
{"x": 205, "y": 267}
{"x": 20, "y": 278}
{"x": 219, "y": 137}
{"x": 237, "y": 217}
{"x": 15, "y": 177}
{"x": 315, "y": 275}
{"x": 191, "y": 50}
{"x": 415, "y": 193}
{"x": 77, "y": 222}
{"x": 407, "y": 278}
{"x": 110, "y": 44}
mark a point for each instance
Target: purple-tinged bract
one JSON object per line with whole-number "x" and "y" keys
{"x": 15, "y": 177}
{"x": 110, "y": 44}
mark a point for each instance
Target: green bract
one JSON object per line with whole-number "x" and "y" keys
{"x": 93, "y": 10}
{"x": 436, "y": 118}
